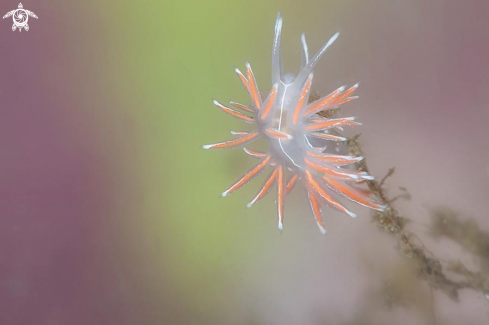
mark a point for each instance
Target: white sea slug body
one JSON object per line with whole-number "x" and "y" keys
{"x": 289, "y": 123}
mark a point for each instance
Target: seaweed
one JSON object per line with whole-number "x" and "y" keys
{"x": 446, "y": 223}
{"x": 448, "y": 276}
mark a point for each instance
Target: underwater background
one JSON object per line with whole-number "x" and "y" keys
{"x": 109, "y": 208}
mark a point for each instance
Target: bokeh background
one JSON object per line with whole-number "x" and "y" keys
{"x": 109, "y": 209}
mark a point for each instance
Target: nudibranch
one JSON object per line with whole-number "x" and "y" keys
{"x": 300, "y": 140}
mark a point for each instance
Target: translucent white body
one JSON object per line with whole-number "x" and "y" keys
{"x": 292, "y": 150}
{"x": 293, "y": 130}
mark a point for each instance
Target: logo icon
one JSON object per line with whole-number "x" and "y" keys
{"x": 20, "y": 16}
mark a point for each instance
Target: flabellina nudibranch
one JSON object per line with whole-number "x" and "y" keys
{"x": 298, "y": 138}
